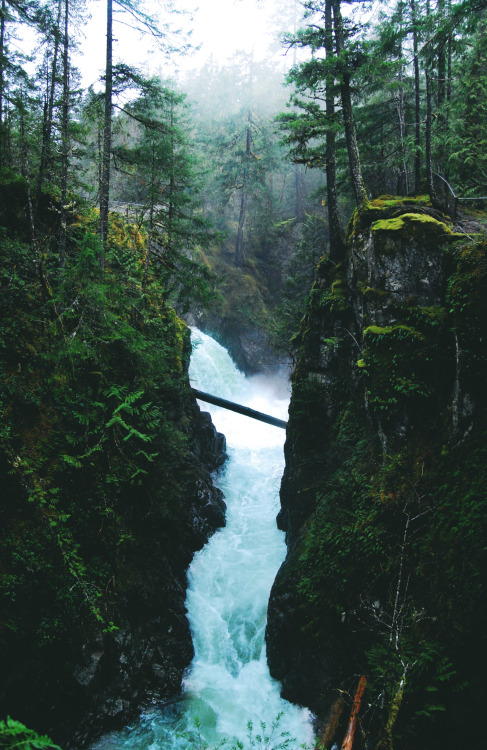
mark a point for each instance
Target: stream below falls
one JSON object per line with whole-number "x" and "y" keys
{"x": 228, "y": 683}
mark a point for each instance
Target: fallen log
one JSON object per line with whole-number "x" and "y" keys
{"x": 239, "y": 409}
{"x": 352, "y": 723}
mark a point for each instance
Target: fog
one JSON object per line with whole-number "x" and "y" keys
{"x": 218, "y": 29}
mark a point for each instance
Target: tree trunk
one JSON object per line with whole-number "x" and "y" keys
{"x": 441, "y": 79}
{"x": 385, "y": 742}
{"x": 449, "y": 53}
{"x": 48, "y": 111}
{"x": 381, "y": 173}
{"x": 239, "y": 249}
{"x": 429, "y": 119}
{"x": 107, "y": 138}
{"x": 334, "y": 228}
{"x": 172, "y": 183}
{"x": 358, "y": 186}
{"x": 150, "y": 239}
{"x": 298, "y": 173}
{"x": 441, "y": 64}
{"x": 403, "y": 180}
{"x": 64, "y": 138}
{"x": 24, "y": 168}
{"x": 417, "y": 104}
{"x": 2, "y": 81}
{"x": 298, "y": 181}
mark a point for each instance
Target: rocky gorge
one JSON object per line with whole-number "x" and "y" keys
{"x": 106, "y": 463}
{"x": 383, "y": 495}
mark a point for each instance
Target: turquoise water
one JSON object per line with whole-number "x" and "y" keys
{"x": 228, "y": 683}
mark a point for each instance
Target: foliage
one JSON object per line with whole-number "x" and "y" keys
{"x": 14, "y": 735}
{"x": 96, "y": 440}
{"x": 221, "y": 99}
{"x": 299, "y": 277}
{"x": 418, "y": 77}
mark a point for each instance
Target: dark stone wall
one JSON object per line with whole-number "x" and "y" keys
{"x": 379, "y": 378}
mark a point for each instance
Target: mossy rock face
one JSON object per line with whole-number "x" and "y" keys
{"x": 386, "y": 440}
{"x": 371, "y": 293}
{"x": 390, "y": 207}
{"x": 399, "y": 253}
{"x": 399, "y": 330}
{"x": 390, "y": 201}
{"x": 414, "y": 226}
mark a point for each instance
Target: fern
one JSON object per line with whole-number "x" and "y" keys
{"x": 16, "y": 736}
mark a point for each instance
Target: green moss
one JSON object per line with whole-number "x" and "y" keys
{"x": 410, "y": 221}
{"x": 388, "y": 201}
{"x": 434, "y": 314}
{"x": 335, "y": 298}
{"x": 388, "y": 225}
{"x": 391, "y": 213}
{"x": 372, "y": 292}
{"x": 398, "y": 328}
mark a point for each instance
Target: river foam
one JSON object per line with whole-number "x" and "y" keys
{"x": 228, "y": 683}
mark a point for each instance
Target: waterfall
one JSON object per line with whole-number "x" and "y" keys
{"x": 228, "y": 683}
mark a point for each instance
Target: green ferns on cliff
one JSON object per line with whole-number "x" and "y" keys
{"x": 96, "y": 441}
{"x": 91, "y": 378}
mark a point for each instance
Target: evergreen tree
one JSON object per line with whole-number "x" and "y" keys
{"x": 467, "y": 144}
{"x": 158, "y": 170}
{"x": 246, "y": 180}
{"x": 318, "y": 81}
{"x": 125, "y": 75}
{"x": 346, "y": 58}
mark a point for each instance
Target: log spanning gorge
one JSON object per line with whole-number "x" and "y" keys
{"x": 228, "y": 687}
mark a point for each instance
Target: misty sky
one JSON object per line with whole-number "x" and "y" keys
{"x": 221, "y": 27}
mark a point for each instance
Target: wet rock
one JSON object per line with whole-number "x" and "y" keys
{"x": 394, "y": 279}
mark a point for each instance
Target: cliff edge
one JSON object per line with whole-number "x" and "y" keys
{"x": 383, "y": 495}
{"x": 106, "y": 488}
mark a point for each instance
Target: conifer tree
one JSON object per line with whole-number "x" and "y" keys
{"x": 52, "y": 25}
{"x": 107, "y": 136}
{"x": 318, "y": 81}
{"x": 334, "y": 227}
{"x": 12, "y": 12}
{"x": 345, "y": 74}
{"x": 157, "y": 169}
{"x": 467, "y": 140}
{"x": 64, "y": 138}
{"x": 143, "y": 22}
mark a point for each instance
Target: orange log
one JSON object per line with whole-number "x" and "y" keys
{"x": 352, "y": 723}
